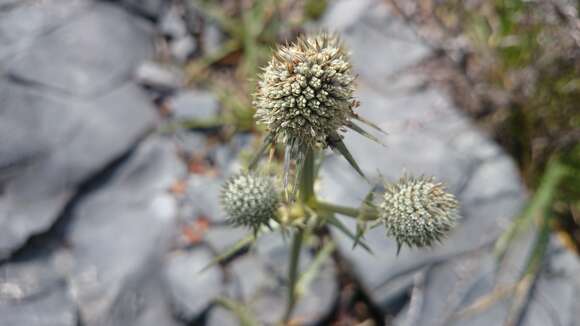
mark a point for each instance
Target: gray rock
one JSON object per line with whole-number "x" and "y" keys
{"x": 219, "y": 316}
{"x": 120, "y": 234}
{"x": 33, "y": 291}
{"x": 21, "y": 22}
{"x": 68, "y": 141}
{"x": 212, "y": 39}
{"x": 194, "y": 105}
{"x": 182, "y": 48}
{"x": 191, "y": 289}
{"x": 90, "y": 55}
{"x": 172, "y": 24}
{"x": 452, "y": 290}
{"x": 158, "y": 76}
{"x": 202, "y": 198}
{"x": 344, "y": 13}
{"x": 556, "y": 299}
{"x": 379, "y": 41}
{"x": 148, "y": 8}
{"x": 54, "y": 308}
{"x": 220, "y": 238}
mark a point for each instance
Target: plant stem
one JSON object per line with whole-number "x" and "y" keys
{"x": 346, "y": 211}
{"x": 293, "y": 273}
{"x": 307, "y": 178}
{"x": 306, "y": 196}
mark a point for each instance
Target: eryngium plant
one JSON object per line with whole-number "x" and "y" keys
{"x": 305, "y": 99}
{"x": 250, "y": 200}
{"x": 417, "y": 211}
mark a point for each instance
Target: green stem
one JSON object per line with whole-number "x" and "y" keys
{"x": 343, "y": 210}
{"x": 306, "y": 197}
{"x": 307, "y": 178}
{"x": 293, "y": 273}
{"x": 346, "y": 211}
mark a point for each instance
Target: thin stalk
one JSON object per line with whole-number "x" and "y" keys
{"x": 346, "y": 211}
{"x": 306, "y": 196}
{"x": 293, "y": 273}
{"x": 343, "y": 210}
{"x": 307, "y": 178}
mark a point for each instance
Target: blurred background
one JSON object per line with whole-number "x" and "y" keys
{"x": 120, "y": 120}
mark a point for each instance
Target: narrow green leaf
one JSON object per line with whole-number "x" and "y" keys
{"x": 234, "y": 249}
{"x": 266, "y": 143}
{"x": 307, "y": 176}
{"x": 293, "y": 272}
{"x": 536, "y": 208}
{"x": 364, "y": 133}
{"x": 370, "y": 124}
{"x": 244, "y": 315}
{"x": 332, "y": 220}
{"x": 314, "y": 268}
{"x": 361, "y": 220}
{"x": 341, "y": 148}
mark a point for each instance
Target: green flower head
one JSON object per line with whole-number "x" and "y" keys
{"x": 418, "y": 211}
{"x": 250, "y": 200}
{"x": 305, "y": 93}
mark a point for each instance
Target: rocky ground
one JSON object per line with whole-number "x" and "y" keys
{"x": 103, "y": 222}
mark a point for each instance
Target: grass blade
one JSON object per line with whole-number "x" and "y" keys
{"x": 342, "y": 150}
{"x": 332, "y": 220}
{"x": 245, "y": 316}
{"x": 234, "y": 249}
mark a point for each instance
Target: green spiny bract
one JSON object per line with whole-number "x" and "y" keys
{"x": 250, "y": 200}
{"x": 417, "y": 211}
{"x": 305, "y": 94}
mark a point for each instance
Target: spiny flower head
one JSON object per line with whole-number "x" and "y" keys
{"x": 250, "y": 200}
{"x": 305, "y": 93}
{"x": 418, "y": 211}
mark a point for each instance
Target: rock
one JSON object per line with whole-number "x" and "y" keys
{"x": 221, "y": 238}
{"x": 191, "y": 289}
{"x": 21, "y": 22}
{"x": 212, "y": 39}
{"x": 172, "y": 24}
{"x": 451, "y": 290}
{"x": 182, "y": 48}
{"x": 219, "y": 316}
{"x": 159, "y": 77}
{"x": 202, "y": 198}
{"x": 119, "y": 236}
{"x": 228, "y": 156}
{"x": 33, "y": 291}
{"x": 87, "y": 56}
{"x": 148, "y": 8}
{"x": 69, "y": 140}
{"x": 194, "y": 105}
{"x": 344, "y": 13}
{"x": 376, "y": 38}
{"x": 54, "y": 308}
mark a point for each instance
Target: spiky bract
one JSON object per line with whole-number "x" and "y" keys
{"x": 250, "y": 200}
{"x": 418, "y": 211}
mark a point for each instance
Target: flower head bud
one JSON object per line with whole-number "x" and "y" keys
{"x": 250, "y": 200}
{"x": 305, "y": 94}
{"x": 417, "y": 211}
